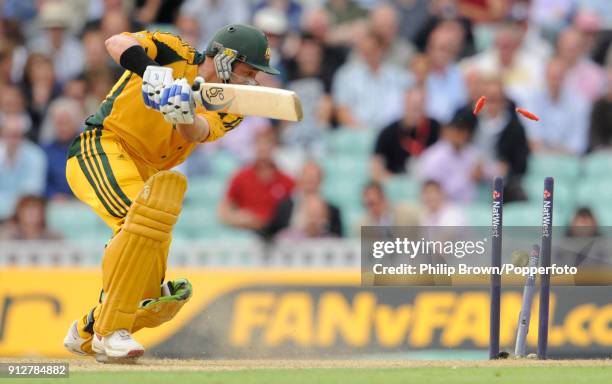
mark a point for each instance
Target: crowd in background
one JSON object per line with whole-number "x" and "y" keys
{"x": 409, "y": 70}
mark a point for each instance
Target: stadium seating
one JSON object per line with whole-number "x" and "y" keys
{"x": 598, "y": 165}
{"x": 343, "y": 191}
{"x": 564, "y": 194}
{"x": 351, "y": 141}
{"x": 76, "y": 221}
{"x": 522, "y": 214}
{"x": 594, "y": 190}
{"x": 197, "y": 221}
{"x": 577, "y": 183}
{"x": 530, "y": 214}
{"x": 403, "y": 188}
{"x": 205, "y": 190}
{"x": 223, "y": 164}
{"x": 602, "y": 212}
{"x": 561, "y": 167}
{"x": 478, "y": 214}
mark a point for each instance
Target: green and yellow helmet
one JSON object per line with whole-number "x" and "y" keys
{"x": 249, "y": 42}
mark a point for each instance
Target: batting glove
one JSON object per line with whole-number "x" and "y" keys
{"x": 154, "y": 80}
{"x": 177, "y": 103}
{"x": 176, "y": 290}
{"x": 223, "y": 63}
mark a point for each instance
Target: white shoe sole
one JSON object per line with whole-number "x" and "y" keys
{"x": 131, "y": 358}
{"x": 114, "y": 354}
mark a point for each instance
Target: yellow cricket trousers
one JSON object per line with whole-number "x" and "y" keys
{"x": 104, "y": 176}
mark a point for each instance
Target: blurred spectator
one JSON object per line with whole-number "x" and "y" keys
{"x": 521, "y": 72}
{"x": 75, "y": 89}
{"x": 589, "y": 25}
{"x": 241, "y": 143}
{"x": 256, "y": 190}
{"x": 96, "y": 56}
{"x": 404, "y": 139}
{"x": 316, "y": 26}
{"x": 114, "y": 22}
{"x": 40, "y": 88}
{"x": 310, "y": 221}
{"x": 6, "y": 66}
{"x": 454, "y": 163}
{"x": 12, "y": 100}
{"x": 99, "y": 82}
{"x": 583, "y": 75}
{"x": 600, "y": 135}
{"x": 413, "y": 16}
{"x": 368, "y": 91}
{"x": 443, "y": 11}
{"x": 188, "y": 28}
{"x": 28, "y": 222}
{"x": 56, "y": 41}
{"x": 419, "y": 69}
{"x": 551, "y": 15}
{"x": 533, "y": 42}
{"x": 116, "y": 10}
{"x": 381, "y": 212}
{"x": 316, "y": 103}
{"x": 594, "y": 18}
{"x": 436, "y": 209}
{"x": 384, "y": 21}
{"x": 273, "y": 23}
{"x": 500, "y": 137}
{"x": 473, "y": 85}
{"x": 215, "y": 14}
{"x": 564, "y": 115}
{"x": 18, "y": 9}
{"x": 483, "y": 11}
{"x": 583, "y": 224}
{"x": 157, "y": 11}
{"x": 299, "y": 212}
{"x": 64, "y": 113}
{"x": 66, "y": 119}
{"x": 22, "y": 164}
{"x": 345, "y": 11}
{"x": 13, "y": 53}
{"x": 444, "y": 87}
{"x": 292, "y": 9}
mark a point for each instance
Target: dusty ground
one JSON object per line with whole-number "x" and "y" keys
{"x": 149, "y": 364}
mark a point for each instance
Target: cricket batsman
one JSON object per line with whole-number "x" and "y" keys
{"x": 120, "y": 166}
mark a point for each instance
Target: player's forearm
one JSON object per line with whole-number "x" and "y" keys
{"x": 196, "y": 132}
{"x": 127, "y": 52}
{"x": 117, "y": 44}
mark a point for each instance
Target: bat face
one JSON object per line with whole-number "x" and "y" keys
{"x": 215, "y": 99}
{"x": 248, "y": 100}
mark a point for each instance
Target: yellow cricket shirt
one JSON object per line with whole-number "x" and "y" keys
{"x": 143, "y": 132}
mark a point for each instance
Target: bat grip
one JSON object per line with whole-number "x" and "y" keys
{"x": 195, "y": 88}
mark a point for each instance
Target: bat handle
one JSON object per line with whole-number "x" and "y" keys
{"x": 195, "y": 88}
{"x": 197, "y": 84}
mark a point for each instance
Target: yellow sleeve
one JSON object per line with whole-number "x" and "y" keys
{"x": 145, "y": 39}
{"x": 173, "y": 45}
{"x": 219, "y": 123}
{"x": 163, "y": 47}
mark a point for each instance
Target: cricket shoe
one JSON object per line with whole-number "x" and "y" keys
{"x": 74, "y": 343}
{"x": 117, "y": 347}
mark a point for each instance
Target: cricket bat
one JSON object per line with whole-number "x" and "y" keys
{"x": 249, "y": 100}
